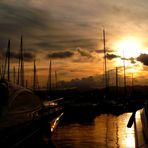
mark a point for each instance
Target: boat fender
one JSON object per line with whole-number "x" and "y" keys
{"x": 131, "y": 120}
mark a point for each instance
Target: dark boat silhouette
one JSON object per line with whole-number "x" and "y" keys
{"x": 23, "y": 115}
{"x": 140, "y": 125}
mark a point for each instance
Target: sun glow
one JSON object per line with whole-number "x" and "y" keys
{"x": 130, "y": 67}
{"x": 128, "y": 48}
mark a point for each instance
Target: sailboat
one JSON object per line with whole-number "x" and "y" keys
{"x": 107, "y": 103}
{"x": 110, "y": 102}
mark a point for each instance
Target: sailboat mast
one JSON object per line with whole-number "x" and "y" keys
{"x": 124, "y": 74}
{"x": 21, "y": 62}
{"x": 49, "y": 77}
{"x": 8, "y": 57}
{"x": 105, "y": 61}
{"x": 50, "y": 68}
{"x": 132, "y": 80}
{"x": 55, "y": 79}
{"x": 34, "y": 76}
{"x": 18, "y": 72}
{"x": 14, "y": 74}
{"x": 117, "y": 82}
{"x": 132, "y": 83}
{"x": 7, "y": 63}
{"x": 2, "y": 72}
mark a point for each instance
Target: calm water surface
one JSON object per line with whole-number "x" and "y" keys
{"x": 103, "y": 131}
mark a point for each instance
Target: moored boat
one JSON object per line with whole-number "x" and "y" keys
{"x": 140, "y": 120}
{"x": 23, "y": 115}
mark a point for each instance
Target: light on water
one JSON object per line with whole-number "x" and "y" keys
{"x": 130, "y": 140}
{"x": 103, "y": 131}
{"x": 127, "y": 135}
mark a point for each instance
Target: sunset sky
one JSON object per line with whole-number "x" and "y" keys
{"x": 70, "y": 34}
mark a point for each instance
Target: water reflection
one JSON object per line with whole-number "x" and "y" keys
{"x": 105, "y": 130}
{"x": 127, "y": 135}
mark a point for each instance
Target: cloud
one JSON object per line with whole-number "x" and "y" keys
{"x": 132, "y": 60}
{"x": 111, "y": 56}
{"x": 83, "y": 83}
{"x": 78, "y": 54}
{"x": 67, "y": 42}
{"x": 84, "y": 52}
{"x": 16, "y": 19}
{"x": 102, "y": 51}
{"x": 143, "y": 58}
{"x": 61, "y": 55}
{"x": 28, "y": 56}
{"x": 55, "y": 25}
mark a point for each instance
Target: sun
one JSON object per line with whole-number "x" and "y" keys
{"x": 128, "y": 48}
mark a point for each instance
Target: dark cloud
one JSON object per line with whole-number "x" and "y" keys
{"x": 85, "y": 83}
{"x": 65, "y": 25}
{"x": 16, "y": 19}
{"x": 57, "y": 55}
{"x": 132, "y": 60}
{"x": 28, "y": 56}
{"x": 143, "y": 58}
{"x": 45, "y": 28}
{"x": 58, "y": 43}
{"x": 111, "y": 56}
{"x": 102, "y": 50}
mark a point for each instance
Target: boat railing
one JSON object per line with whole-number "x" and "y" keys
{"x": 51, "y": 107}
{"x": 59, "y": 100}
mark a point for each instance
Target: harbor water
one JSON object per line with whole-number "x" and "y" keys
{"x": 102, "y": 131}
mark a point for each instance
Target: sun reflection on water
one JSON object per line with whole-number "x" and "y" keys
{"x": 127, "y": 135}
{"x": 130, "y": 138}
{"x": 106, "y": 130}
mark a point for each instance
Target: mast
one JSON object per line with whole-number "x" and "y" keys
{"x": 117, "y": 82}
{"x": 21, "y": 65}
{"x": 8, "y": 57}
{"x": 132, "y": 79}
{"x": 132, "y": 83}
{"x": 14, "y": 74}
{"x": 49, "y": 76}
{"x": 18, "y": 73}
{"x": 7, "y": 63}
{"x": 2, "y": 71}
{"x": 105, "y": 61}
{"x": 21, "y": 62}
{"x": 125, "y": 91}
{"x": 55, "y": 79}
{"x": 34, "y": 76}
